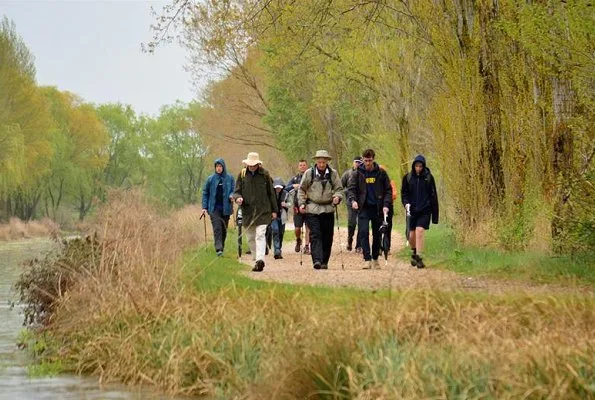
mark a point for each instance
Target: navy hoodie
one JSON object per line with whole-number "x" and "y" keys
{"x": 420, "y": 191}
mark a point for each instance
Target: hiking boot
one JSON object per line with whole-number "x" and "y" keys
{"x": 248, "y": 252}
{"x": 324, "y": 266}
{"x": 374, "y": 264}
{"x": 420, "y": 263}
{"x": 317, "y": 265}
{"x": 259, "y": 266}
{"x": 349, "y": 244}
{"x": 306, "y": 249}
{"x": 414, "y": 260}
{"x": 367, "y": 264}
{"x": 298, "y": 245}
{"x": 278, "y": 257}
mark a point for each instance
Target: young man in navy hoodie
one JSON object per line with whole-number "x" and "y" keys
{"x": 420, "y": 199}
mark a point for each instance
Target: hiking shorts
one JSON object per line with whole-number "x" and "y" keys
{"x": 298, "y": 219}
{"x": 419, "y": 220}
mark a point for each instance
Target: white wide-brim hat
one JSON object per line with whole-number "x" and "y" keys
{"x": 322, "y": 154}
{"x": 252, "y": 159}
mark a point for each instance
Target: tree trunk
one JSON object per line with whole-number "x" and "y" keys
{"x": 562, "y": 155}
{"x": 488, "y": 69}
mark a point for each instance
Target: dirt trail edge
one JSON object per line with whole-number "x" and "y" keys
{"x": 397, "y": 274}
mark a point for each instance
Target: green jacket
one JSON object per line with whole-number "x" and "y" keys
{"x": 260, "y": 199}
{"x": 317, "y": 192}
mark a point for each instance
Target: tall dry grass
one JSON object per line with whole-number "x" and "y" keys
{"x": 133, "y": 319}
{"x": 16, "y": 229}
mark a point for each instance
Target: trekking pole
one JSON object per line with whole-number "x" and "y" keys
{"x": 205, "y": 226}
{"x": 339, "y": 236}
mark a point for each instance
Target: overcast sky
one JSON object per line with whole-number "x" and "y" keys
{"x": 93, "y": 48}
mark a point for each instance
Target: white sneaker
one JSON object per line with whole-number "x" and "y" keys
{"x": 367, "y": 265}
{"x": 375, "y": 264}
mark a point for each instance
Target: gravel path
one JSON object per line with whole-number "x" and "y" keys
{"x": 397, "y": 274}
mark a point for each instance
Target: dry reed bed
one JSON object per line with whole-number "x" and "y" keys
{"x": 16, "y": 229}
{"x": 136, "y": 321}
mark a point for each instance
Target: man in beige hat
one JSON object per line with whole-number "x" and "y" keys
{"x": 256, "y": 196}
{"x": 319, "y": 193}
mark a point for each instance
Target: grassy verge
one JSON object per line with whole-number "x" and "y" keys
{"x": 192, "y": 324}
{"x": 443, "y": 251}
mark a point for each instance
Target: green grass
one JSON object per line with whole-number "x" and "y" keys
{"x": 442, "y": 251}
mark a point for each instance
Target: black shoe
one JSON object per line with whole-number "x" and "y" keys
{"x": 298, "y": 245}
{"x": 414, "y": 260}
{"x": 420, "y": 263}
{"x": 248, "y": 252}
{"x": 317, "y": 265}
{"x": 349, "y": 248}
{"x": 323, "y": 266}
{"x": 278, "y": 257}
{"x": 259, "y": 266}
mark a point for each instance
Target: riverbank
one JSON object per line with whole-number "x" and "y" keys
{"x": 156, "y": 310}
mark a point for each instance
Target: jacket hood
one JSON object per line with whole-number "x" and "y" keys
{"x": 222, "y": 162}
{"x": 419, "y": 157}
{"x": 278, "y": 182}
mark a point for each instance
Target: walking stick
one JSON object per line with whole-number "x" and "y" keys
{"x": 239, "y": 220}
{"x": 205, "y": 226}
{"x": 339, "y": 235}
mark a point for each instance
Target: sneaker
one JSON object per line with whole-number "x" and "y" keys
{"x": 367, "y": 264}
{"x": 219, "y": 253}
{"x": 306, "y": 249}
{"x": 358, "y": 250}
{"x": 317, "y": 265}
{"x": 420, "y": 263}
{"x": 324, "y": 266}
{"x": 298, "y": 245}
{"x": 374, "y": 264}
{"x": 259, "y": 266}
{"x": 414, "y": 260}
{"x": 278, "y": 257}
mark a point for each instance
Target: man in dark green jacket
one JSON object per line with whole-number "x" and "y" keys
{"x": 255, "y": 194}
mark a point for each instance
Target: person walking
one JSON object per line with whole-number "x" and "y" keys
{"x": 318, "y": 195}
{"x": 298, "y": 219}
{"x": 351, "y": 213}
{"x": 370, "y": 194}
{"x": 256, "y": 196}
{"x": 420, "y": 199}
{"x": 278, "y": 224}
{"x": 217, "y": 201}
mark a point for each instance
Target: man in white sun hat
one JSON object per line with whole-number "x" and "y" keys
{"x": 256, "y": 196}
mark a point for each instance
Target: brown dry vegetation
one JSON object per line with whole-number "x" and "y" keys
{"x": 138, "y": 318}
{"x": 17, "y": 229}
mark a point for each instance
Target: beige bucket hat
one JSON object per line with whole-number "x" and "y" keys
{"x": 322, "y": 154}
{"x": 252, "y": 159}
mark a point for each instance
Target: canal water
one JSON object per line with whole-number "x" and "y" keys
{"x": 15, "y": 382}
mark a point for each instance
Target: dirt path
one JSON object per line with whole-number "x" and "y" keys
{"x": 397, "y": 274}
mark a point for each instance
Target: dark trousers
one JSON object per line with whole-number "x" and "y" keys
{"x": 219, "y": 223}
{"x": 366, "y": 216}
{"x": 321, "y": 236}
{"x": 352, "y": 226}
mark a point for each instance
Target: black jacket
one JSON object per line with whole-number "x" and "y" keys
{"x": 420, "y": 191}
{"x": 357, "y": 188}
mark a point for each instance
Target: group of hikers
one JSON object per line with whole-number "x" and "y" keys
{"x": 314, "y": 194}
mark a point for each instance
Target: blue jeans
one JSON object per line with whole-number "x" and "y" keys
{"x": 278, "y": 230}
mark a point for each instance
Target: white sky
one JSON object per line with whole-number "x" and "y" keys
{"x": 93, "y": 48}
